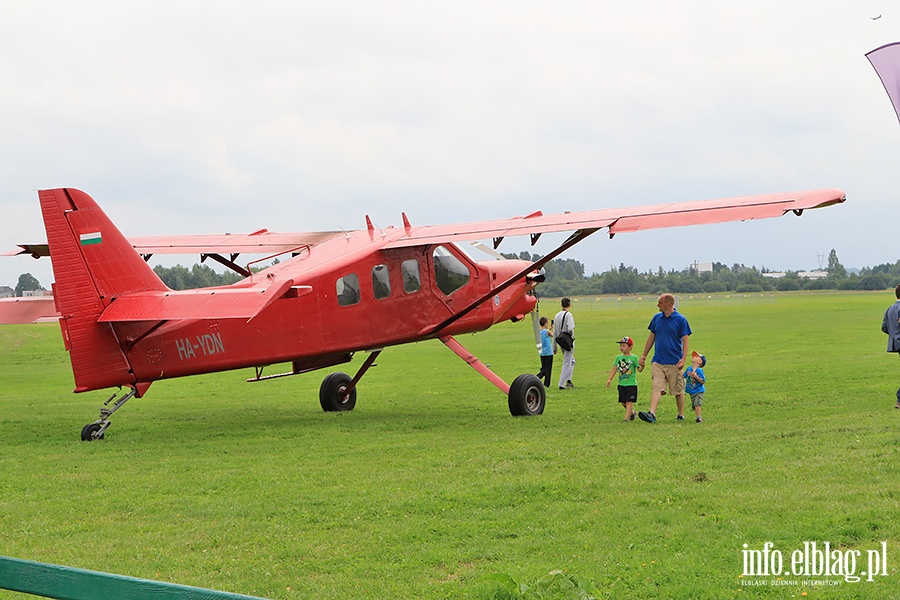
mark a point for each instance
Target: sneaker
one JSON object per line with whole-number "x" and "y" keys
{"x": 633, "y": 415}
{"x": 561, "y": 387}
{"x": 569, "y": 384}
{"x": 649, "y": 417}
{"x": 679, "y": 418}
{"x": 699, "y": 420}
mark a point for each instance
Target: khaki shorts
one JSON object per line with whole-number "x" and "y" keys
{"x": 667, "y": 377}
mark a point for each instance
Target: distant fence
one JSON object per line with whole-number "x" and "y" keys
{"x": 611, "y": 302}
{"x": 66, "y": 583}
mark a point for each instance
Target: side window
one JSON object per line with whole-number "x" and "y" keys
{"x": 410, "y": 272}
{"x": 381, "y": 282}
{"x": 348, "y": 289}
{"x": 450, "y": 273}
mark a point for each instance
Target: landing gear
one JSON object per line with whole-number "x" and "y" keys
{"x": 338, "y": 391}
{"x": 94, "y": 431}
{"x": 526, "y": 396}
{"x": 334, "y": 395}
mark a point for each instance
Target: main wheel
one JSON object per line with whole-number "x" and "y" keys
{"x": 526, "y": 396}
{"x": 333, "y": 394}
{"x": 87, "y": 433}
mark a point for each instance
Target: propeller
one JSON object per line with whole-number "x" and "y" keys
{"x": 535, "y": 321}
{"x": 488, "y": 250}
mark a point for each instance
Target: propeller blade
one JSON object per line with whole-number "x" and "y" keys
{"x": 488, "y": 250}
{"x": 535, "y": 318}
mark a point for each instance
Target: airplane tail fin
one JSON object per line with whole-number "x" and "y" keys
{"x": 93, "y": 263}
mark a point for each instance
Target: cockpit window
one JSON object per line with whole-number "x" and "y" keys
{"x": 348, "y": 289}
{"x": 381, "y": 282}
{"x": 410, "y": 271}
{"x": 450, "y": 273}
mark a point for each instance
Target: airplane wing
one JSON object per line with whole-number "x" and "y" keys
{"x": 258, "y": 242}
{"x": 619, "y": 220}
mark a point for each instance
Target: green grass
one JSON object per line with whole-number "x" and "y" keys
{"x": 429, "y": 489}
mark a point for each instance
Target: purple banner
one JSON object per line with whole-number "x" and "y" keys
{"x": 886, "y": 61}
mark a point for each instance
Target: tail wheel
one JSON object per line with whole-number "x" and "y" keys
{"x": 526, "y": 396}
{"x": 89, "y": 432}
{"x": 333, "y": 394}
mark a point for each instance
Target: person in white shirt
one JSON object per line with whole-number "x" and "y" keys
{"x": 564, "y": 321}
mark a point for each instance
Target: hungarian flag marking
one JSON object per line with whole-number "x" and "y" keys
{"x": 88, "y": 239}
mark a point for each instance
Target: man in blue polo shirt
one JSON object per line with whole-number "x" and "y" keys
{"x": 669, "y": 330}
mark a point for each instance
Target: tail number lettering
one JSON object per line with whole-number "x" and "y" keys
{"x": 207, "y": 344}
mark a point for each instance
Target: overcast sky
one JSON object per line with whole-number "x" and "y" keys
{"x": 211, "y": 117}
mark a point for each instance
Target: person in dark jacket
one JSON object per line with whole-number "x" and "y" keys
{"x": 891, "y": 326}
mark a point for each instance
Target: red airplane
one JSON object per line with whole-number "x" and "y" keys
{"x": 328, "y": 300}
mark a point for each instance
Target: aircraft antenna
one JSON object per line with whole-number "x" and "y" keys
{"x": 372, "y": 227}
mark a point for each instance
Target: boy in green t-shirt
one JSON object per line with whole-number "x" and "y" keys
{"x": 626, "y": 365}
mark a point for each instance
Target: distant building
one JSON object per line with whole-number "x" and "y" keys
{"x": 813, "y": 274}
{"x": 7, "y": 292}
{"x": 801, "y": 274}
{"x": 702, "y": 267}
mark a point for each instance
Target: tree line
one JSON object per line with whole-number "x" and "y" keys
{"x": 176, "y": 278}
{"x": 566, "y": 277}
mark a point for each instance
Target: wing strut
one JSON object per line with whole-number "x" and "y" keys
{"x": 476, "y": 364}
{"x": 228, "y": 263}
{"x": 370, "y": 360}
{"x": 573, "y": 239}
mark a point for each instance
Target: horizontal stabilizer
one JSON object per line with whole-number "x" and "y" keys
{"x": 205, "y": 303}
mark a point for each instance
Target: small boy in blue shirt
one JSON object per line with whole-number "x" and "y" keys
{"x": 695, "y": 382}
{"x": 546, "y": 352}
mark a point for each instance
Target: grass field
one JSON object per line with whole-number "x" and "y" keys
{"x": 429, "y": 489}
